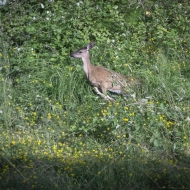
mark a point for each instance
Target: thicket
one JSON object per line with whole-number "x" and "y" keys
{"x": 55, "y": 130}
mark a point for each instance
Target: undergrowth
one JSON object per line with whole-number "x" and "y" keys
{"x": 56, "y": 133}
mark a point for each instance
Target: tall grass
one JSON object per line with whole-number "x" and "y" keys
{"x": 56, "y": 133}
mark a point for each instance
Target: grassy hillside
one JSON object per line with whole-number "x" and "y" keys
{"x": 56, "y": 133}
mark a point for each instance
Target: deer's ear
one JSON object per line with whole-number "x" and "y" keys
{"x": 90, "y": 45}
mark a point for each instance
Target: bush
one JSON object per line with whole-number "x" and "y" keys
{"x": 56, "y": 133}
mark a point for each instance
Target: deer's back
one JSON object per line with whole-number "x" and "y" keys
{"x": 101, "y": 76}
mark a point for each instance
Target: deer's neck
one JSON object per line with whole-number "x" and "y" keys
{"x": 87, "y": 66}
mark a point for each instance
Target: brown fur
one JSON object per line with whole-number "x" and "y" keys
{"x": 102, "y": 78}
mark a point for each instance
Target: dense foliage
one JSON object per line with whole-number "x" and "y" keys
{"x": 56, "y": 133}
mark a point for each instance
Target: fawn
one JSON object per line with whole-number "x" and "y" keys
{"x": 102, "y": 78}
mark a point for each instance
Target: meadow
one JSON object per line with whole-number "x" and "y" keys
{"x": 56, "y": 133}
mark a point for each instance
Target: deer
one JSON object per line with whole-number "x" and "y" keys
{"x": 102, "y": 78}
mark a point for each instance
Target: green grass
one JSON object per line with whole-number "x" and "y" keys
{"x": 56, "y": 133}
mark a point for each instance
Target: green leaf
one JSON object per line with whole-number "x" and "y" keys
{"x": 156, "y": 143}
{"x": 30, "y": 30}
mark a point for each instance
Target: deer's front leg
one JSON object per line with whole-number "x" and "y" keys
{"x": 106, "y": 97}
